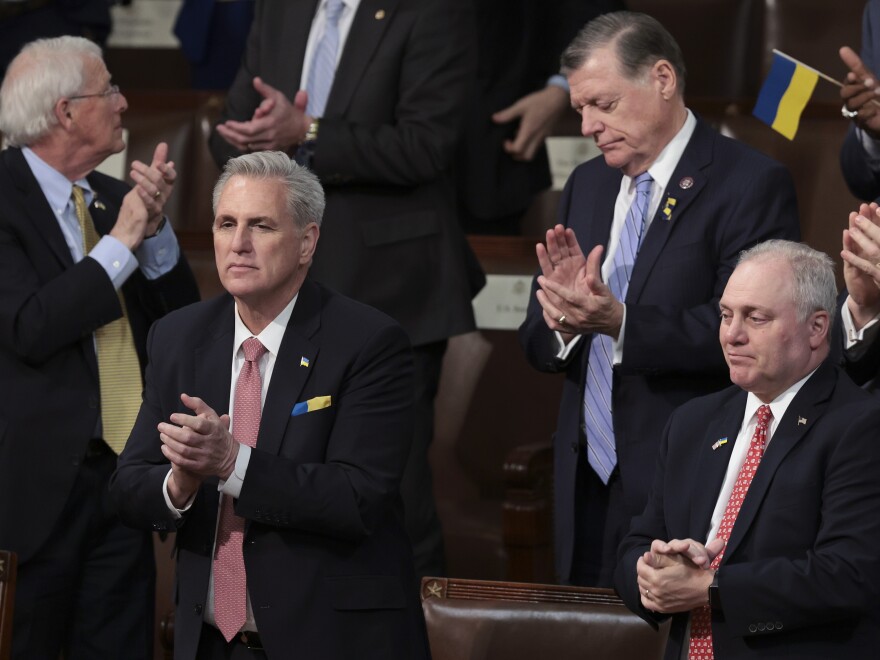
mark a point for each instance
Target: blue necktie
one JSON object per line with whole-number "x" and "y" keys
{"x": 601, "y": 451}
{"x": 323, "y": 67}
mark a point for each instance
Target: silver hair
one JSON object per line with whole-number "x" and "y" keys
{"x": 815, "y": 288}
{"x": 305, "y": 196}
{"x": 639, "y": 41}
{"x": 45, "y": 71}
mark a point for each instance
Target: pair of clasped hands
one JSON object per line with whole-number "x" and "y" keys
{"x": 277, "y": 124}
{"x": 571, "y": 292}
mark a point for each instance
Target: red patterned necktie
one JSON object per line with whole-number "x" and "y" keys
{"x": 230, "y": 582}
{"x": 700, "y": 647}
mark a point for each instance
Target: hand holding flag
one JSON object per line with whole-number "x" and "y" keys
{"x": 790, "y": 84}
{"x": 860, "y": 92}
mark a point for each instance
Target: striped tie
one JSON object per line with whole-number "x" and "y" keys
{"x": 601, "y": 451}
{"x": 323, "y": 68}
{"x": 119, "y": 371}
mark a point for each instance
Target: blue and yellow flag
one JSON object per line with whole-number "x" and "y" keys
{"x": 785, "y": 93}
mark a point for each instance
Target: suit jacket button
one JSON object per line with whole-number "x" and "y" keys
{"x": 761, "y": 627}
{"x": 198, "y": 609}
{"x": 753, "y": 628}
{"x": 770, "y": 625}
{"x": 779, "y": 625}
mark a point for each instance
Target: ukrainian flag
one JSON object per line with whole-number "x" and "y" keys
{"x": 788, "y": 87}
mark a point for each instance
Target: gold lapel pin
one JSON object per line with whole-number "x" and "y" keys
{"x": 100, "y": 205}
{"x": 380, "y": 14}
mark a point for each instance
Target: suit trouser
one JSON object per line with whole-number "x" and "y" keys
{"x": 601, "y": 522}
{"x": 417, "y": 485}
{"x": 90, "y": 590}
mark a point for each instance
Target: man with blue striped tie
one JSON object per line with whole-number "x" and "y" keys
{"x": 634, "y": 322}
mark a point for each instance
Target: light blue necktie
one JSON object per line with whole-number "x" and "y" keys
{"x": 323, "y": 67}
{"x": 601, "y": 451}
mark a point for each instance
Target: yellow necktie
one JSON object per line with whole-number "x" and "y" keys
{"x": 118, "y": 368}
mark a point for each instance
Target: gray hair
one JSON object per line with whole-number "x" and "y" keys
{"x": 639, "y": 41}
{"x": 305, "y": 196}
{"x": 815, "y": 288}
{"x": 45, "y": 71}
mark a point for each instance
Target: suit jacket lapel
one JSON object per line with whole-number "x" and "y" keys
{"x": 684, "y": 186}
{"x": 807, "y": 406}
{"x": 293, "y": 49}
{"x": 366, "y": 32}
{"x": 40, "y": 214}
{"x": 212, "y": 379}
{"x": 290, "y": 375}
{"x": 600, "y": 216}
{"x": 713, "y": 462}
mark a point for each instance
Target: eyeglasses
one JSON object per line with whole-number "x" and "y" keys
{"x": 110, "y": 91}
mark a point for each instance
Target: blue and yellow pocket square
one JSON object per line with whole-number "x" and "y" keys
{"x": 317, "y": 403}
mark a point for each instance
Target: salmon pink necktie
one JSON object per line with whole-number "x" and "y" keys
{"x": 230, "y": 582}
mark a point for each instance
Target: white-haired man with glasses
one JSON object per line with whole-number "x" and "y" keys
{"x": 87, "y": 263}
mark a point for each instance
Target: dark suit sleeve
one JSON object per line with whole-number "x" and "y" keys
{"x": 43, "y": 311}
{"x": 409, "y": 106}
{"x": 39, "y": 319}
{"x": 538, "y": 341}
{"x": 136, "y": 486}
{"x": 644, "y": 529}
{"x": 838, "y": 576}
{"x": 436, "y": 73}
{"x": 667, "y": 338}
{"x": 349, "y": 494}
{"x": 862, "y": 179}
{"x": 241, "y": 98}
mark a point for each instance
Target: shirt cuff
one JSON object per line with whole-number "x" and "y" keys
{"x": 116, "y": 259}
{"x": 564, "y": 351}
{"x": 158, "y": 254}
{"x": 616, "y": 344}
{"x": 558, "y": 80}
{"x": 855, "y": 341}
{"x": 232, "y": 486}
{"x": 177, "y": 513}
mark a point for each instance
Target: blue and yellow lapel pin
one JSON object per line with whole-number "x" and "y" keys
{"x": 304, "y": 362}
{"x": 719, "y": 443}
{"x": 316, "y": 403}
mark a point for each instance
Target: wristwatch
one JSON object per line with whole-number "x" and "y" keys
{"x": 312, "y": 130}
{"x": 714, "y": 593}
{"x": 306, "y": 150}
